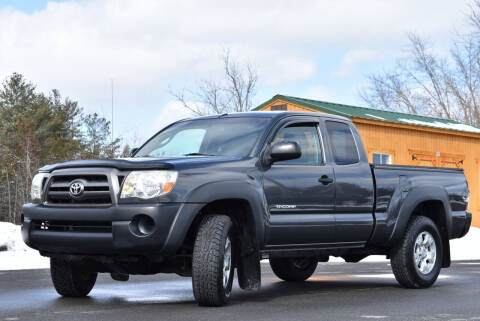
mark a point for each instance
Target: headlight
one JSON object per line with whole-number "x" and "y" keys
{"x": 37, "y": 186}
{"x": 148, "y": 184}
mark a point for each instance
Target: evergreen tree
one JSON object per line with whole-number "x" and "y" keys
{"x": 38, "y": 129}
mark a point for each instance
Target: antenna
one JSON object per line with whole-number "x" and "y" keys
{"x": 112, "y": 106}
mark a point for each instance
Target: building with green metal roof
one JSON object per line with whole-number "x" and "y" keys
{"x": 374, "y": 114}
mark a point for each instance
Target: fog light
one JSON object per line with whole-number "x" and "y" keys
{"x": 146, "y": 225}
{"x": 142, "y": 225}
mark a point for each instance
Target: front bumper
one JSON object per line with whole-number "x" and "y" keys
{"x": 105, "y": 231}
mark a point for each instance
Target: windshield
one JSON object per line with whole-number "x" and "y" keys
{"x": 210, "y": 137}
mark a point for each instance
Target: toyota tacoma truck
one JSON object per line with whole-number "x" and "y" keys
{"x": 209, "y": 195}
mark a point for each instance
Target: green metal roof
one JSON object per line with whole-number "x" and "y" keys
{"x": 374, "y": 114}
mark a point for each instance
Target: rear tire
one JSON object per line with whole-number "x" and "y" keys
{"x": 417, "y": 258}
{"x": 213, "y": 261}
{"x": 70, "y": 280}
{"x": 293, "y": 269}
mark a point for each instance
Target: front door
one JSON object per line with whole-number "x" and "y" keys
{"x": 300, "y": 192}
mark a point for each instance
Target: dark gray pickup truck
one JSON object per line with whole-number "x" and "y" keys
{"x": 207, "y": 195}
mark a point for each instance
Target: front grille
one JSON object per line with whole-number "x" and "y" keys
{"x": 96, "y": 190}
{"x": 68, "y": 226}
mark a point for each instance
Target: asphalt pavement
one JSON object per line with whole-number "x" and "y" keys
{"x": 337, "y": 291}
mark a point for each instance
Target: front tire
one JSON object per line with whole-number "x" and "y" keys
{"x": 71, "y": 280}
{"x": 417, "y": 259}
{"x": 293, "y": 269}
{"x": 212, "y": 263}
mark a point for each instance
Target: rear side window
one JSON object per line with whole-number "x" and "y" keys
{"x": 343, "y": 144}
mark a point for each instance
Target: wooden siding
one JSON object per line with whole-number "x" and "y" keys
{"x": 422, "y": 146}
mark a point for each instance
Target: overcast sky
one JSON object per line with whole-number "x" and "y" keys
{"x": 312, "y": 49}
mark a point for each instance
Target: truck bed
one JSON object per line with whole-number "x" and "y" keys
{"x": 398, "y": 187}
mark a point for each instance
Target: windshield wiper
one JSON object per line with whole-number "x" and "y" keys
{"x": 197, "y": 154}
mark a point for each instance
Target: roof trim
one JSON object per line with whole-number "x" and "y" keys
{"x": 435, "y": 130}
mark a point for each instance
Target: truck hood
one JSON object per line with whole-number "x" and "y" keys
{"x": 142, "y": 163}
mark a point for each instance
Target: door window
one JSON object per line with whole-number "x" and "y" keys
{"x": 306, "y": 136}
{"x": 343, "y": 144}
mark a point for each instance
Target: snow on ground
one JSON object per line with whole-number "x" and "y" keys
{"x": 465, "y": 248}
{"x": 10, "y": 237}
{"x": 15, "y": 255}
{"x": 23, "y": 260}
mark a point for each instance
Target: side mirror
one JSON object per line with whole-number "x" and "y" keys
{"x": 133, "y": 151}
{"x": 284, "y": 151}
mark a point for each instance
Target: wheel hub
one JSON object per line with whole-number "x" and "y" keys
{"x": 425, "y": 252}
{"x": 227, "y": 262}
{"x": 301, "y": 264}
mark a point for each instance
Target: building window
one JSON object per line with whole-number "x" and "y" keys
{"x": 379, "y": 158}
{"x": 279, "y": 107}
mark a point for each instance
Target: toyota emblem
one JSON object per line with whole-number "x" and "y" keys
{"x": 76, "y": 189}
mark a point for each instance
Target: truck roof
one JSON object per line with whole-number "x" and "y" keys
{"x": 272, "y": 114}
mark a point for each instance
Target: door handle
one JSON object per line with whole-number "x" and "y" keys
{"x": 325, "y": 180}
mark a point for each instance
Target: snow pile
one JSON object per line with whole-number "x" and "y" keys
{"x": 14, "y": 253}
{"x": 11, "y": 238}
{"x": 466, "y": 248}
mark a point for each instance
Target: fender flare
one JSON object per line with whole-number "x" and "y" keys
{"x": 248, "y": 190}
{"x": 410, "y": 201}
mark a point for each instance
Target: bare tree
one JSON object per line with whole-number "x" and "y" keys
{"x": 233, "y": 93}
{"x": 425, "y": 82}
